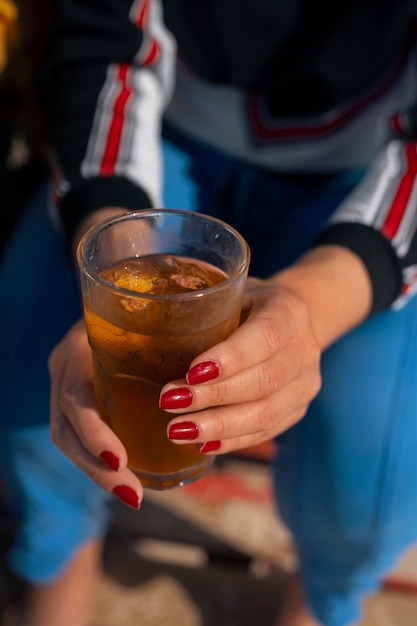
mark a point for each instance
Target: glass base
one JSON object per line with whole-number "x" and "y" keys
{"x": 162, "y": 482}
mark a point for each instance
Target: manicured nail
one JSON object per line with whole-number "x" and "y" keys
{"x": 184, "y": 431}
{"x": 209, "y": 446}
{"x": 202, "y": 372}
{"x": 111, "y": 459}
{"x": 180, "y": 398}
{"x": 127, "y": 495}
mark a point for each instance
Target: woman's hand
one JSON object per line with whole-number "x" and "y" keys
{"x": 76, "y": 426}
{"x": 254, "y": 385}
{"x": 260, "y": 381}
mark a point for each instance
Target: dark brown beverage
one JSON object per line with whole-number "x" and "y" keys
{"x": 141, "y": 343}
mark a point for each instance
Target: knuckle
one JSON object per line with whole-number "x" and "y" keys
{"x": 218, "y": 393}
{"x": 270, "y": 332}
{"x": 267, "y": 417}
{"x": 220, "y": 428}
{"x": 269, "y": 378}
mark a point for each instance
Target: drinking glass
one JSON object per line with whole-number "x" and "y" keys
{"x": 159, "y": 287}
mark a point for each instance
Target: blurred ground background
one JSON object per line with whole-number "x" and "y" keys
{"x": 214, "y": 553}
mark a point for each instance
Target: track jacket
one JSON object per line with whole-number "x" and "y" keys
{"x": 302, "y": 87}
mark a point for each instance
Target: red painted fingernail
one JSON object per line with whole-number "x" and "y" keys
{"x": 184, "y": 431}
{"x": 127, "y": 495}
{"x": 202, "y": 372}
{"x": 111, "y": 459}
{"x": 209, "y": 446}
{"x": 180, "y": 398}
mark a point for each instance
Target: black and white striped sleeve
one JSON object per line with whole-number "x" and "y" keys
{"x": 104, "y": 86}
{"x": 378, "y": 221}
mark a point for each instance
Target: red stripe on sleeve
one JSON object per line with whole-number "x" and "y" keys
{"x": 141, "y": 20}
{"x": 152, "y": 53}
{"x": 112, "y": 147}
{"x": 402, "y": 197}
{"x": 111, "y": 150}
{"x": 142, "y": 14}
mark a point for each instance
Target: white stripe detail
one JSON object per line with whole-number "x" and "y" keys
{"x": 370, "y": 201}
{"x": 139, "y": 157}
{"x": 168, "y": 50}
{"x": 96, "y": 146}
{"x": 408, "y": 226}
{"x": 156, "y": 30}
{"x": 410, "y": 281}
{"x": 134, "y": 9}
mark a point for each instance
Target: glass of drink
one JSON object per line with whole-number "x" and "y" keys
{"x": 159, "y": 287}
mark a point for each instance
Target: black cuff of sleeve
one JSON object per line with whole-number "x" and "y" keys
{"x": 377, "y": 254}
{"x": 97, "y": 193}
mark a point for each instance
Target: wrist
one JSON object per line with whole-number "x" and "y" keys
{"x": 334, "y": 285}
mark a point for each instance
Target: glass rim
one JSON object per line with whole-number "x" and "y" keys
{"x": 190, "y": 295}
